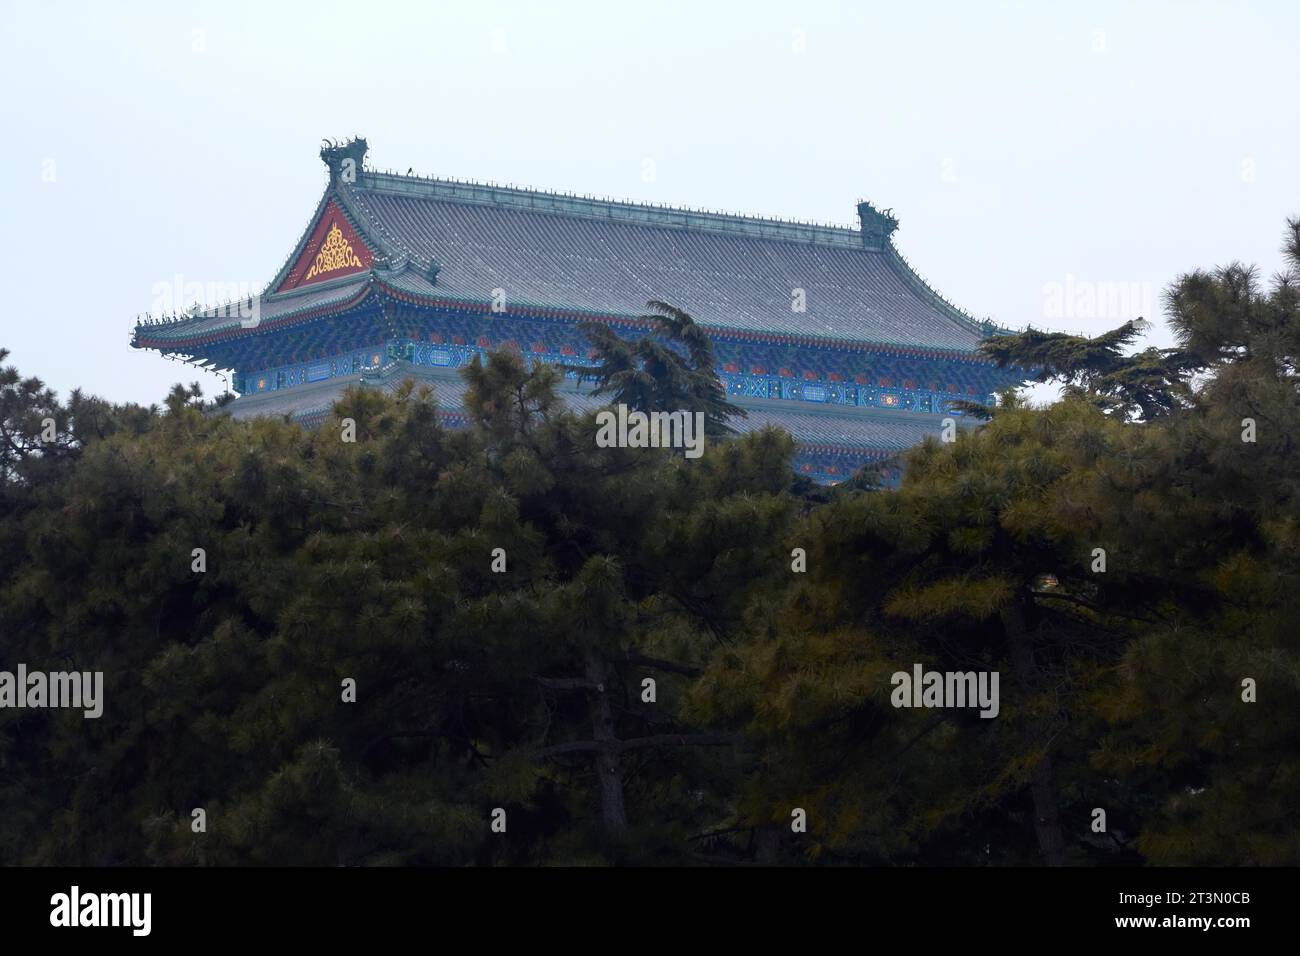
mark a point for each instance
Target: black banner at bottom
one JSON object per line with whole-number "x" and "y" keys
{"x": 927, "y": 905}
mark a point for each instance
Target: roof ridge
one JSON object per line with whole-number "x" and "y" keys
{"x": 587, "y": 206}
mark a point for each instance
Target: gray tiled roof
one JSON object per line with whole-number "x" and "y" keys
{"x": 729, "y": 272}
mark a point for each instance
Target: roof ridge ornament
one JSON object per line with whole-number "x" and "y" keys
{"x": 344, "y": 159}
{"x": 877, "y": 226}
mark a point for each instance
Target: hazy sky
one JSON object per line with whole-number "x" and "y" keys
{"x": 1034, "y": 152}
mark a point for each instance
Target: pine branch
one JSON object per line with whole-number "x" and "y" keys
{"x": 637, "y": 743}
{"x": 634, "y": 656}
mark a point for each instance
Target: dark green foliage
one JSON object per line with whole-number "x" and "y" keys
{"x": 1122, "y": 689}
{"x": 1144, "y": 386}
{"x": 671, "y": 370}
{"x": 373, "y": 561}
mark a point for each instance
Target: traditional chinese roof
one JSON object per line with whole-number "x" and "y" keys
{"x": 450, "y": 243}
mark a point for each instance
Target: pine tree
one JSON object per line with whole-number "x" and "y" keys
{"x": 671, "y": 369}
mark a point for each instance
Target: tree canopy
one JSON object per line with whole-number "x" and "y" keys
{"x": 383, "y": 650}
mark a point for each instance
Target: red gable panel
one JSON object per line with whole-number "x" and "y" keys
{"x": 334, "y": 249}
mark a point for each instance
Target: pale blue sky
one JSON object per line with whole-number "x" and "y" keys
{"x": 1020, "y": 144}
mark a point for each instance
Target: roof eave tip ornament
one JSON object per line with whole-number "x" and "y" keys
{"x": 344, "y": 159}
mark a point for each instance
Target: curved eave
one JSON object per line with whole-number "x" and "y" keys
{"x": 182, "y": 343}
{"x": 225, "y": 333}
